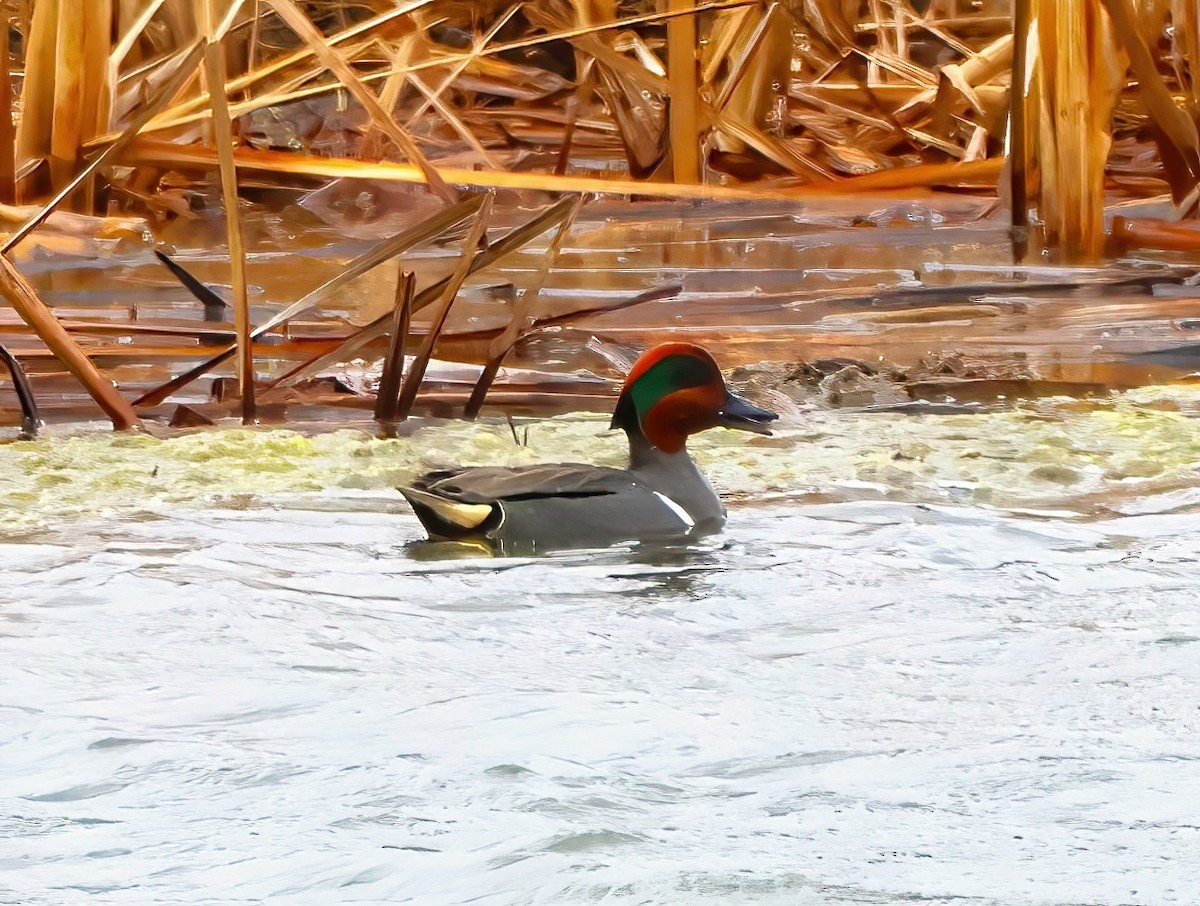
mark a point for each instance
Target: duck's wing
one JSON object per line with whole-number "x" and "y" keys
{"x": 559, "y": 505}
{"x": 489, "y": 485}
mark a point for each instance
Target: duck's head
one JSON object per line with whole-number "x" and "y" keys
{"x": 676, "y": 390}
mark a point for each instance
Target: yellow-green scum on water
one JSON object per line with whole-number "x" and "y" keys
{"x": 1051, "y": 453}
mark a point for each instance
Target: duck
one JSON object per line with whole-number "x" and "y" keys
{"x": 673, "y": 391}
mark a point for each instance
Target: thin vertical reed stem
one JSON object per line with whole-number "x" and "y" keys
{"x": 387, "y": 398}
{"x": 214, "y": 67}
{"x": 1018, "y": 131}
{"x": 685, "y": 94}
{"x": 408, "y": 395}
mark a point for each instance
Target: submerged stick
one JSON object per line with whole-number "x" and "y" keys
{"x": 448, "y": 294}
{"x": 31, "y": 421}
{"x": 387, "y": 396}
{"x": 209, "y": 299}
{"x": 657, "y": 294}
{"x": 1147, "y": 233}
{"x": 381, "y": 252}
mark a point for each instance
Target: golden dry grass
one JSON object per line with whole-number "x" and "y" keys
{"x": 741, "y": 95}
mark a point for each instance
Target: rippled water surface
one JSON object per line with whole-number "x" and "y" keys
{"x": 977, "y": 686}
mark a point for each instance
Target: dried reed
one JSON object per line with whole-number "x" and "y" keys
{"x": 447, "y": 294}
{"x": 214, "y": 68}
{"x": 727, "y": 99}
{"x": 387, "y": 396}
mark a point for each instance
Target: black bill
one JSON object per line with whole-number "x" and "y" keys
{"x": 745, "y": 416}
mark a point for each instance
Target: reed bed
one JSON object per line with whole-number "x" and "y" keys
{"x": 134, "y": 116}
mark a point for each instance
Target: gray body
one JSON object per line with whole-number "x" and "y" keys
{"x": 661, "y": 496}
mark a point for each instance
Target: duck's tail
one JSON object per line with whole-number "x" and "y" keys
{"x": 447, "y": 518}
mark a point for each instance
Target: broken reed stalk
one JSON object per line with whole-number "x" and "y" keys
{"x": 387, "y": 396}
{"x": 33, "y": 311}
{"x": 384, "y": 251}
{"x": 1143, "y": 233}
{"x": 449, "y": 292}
{"x": 194, "y": 108}
{"x": 461, "y": 66}
{"x": 31, "y": 420}
{"x": 574, "y": 102}
{"x": 1081, "y": 75}
{"x": 1175, "y": 133}
{"x": 920, "y": 176}
{"x": 335, "y": 62}
{"x": 184, "y": 114}
{"x": 37, "y": 95}
{"x": 522, "y": 316}
{"x": 496, "y": 251}
{"x": 181, "y": 67}
{"x": 214, "y": 68}
{"x": 373, "y": 257}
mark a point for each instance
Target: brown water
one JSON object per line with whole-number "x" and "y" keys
{"x": 904, "y": 281}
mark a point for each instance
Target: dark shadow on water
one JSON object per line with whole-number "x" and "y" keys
{"x": 651, "y": 573}
{"x": 697, "y": 554}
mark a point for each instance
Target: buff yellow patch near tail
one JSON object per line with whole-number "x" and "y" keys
{"x": 464, "y": 515}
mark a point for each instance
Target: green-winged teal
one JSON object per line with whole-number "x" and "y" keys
{"x": 674, "y": 390}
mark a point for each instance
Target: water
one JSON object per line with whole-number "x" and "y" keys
{"x": 252, "y": 683}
